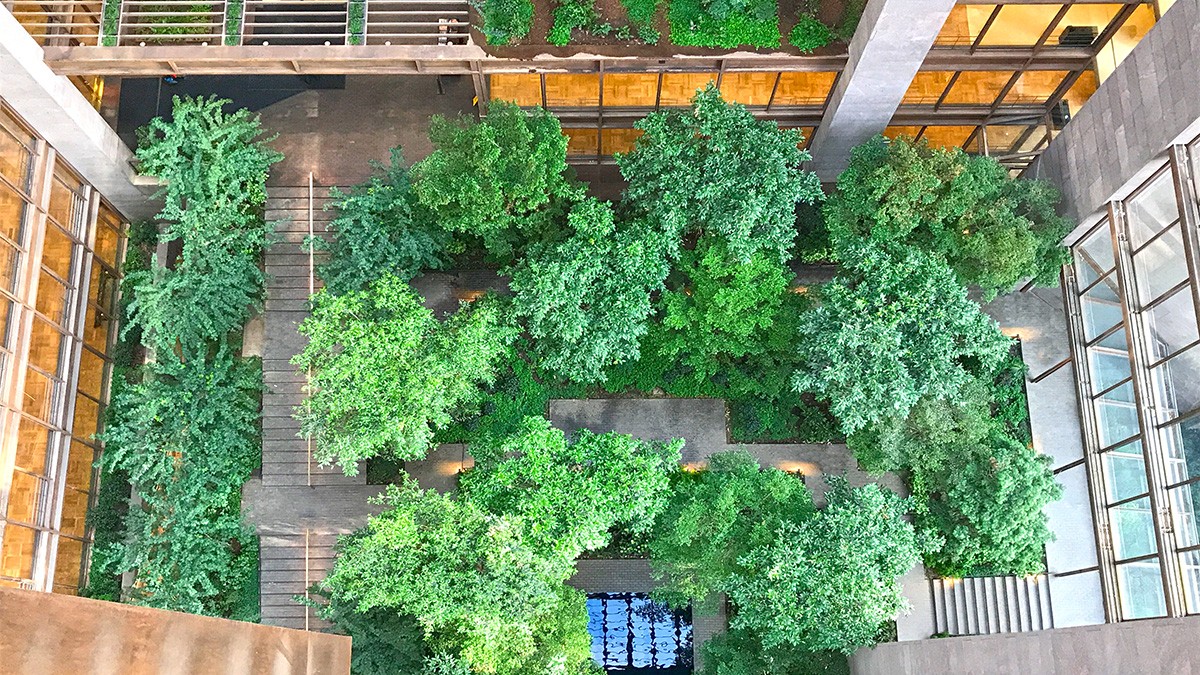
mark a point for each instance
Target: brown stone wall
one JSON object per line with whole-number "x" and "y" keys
{"x": 48, "y": 634}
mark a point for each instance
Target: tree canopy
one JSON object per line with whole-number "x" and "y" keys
{"x": 717, "y": 169}
{"x": 491, "y": 179}
{"x": 716, "y": 516}
{"x": 586, "y": 298}
{"x": 993, "y": 230}
{"x": 830, "y": 581}
{"x": 572, "y": 493}
{"x": 895, "y": 325}
{"x": 380, "y": 230}
{"x": 386, "y": 374}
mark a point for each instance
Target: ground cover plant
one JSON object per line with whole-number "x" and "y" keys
{"x": 184, "y": 428}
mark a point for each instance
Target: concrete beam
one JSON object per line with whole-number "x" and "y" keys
{"x": 67, "y": 121}
{"x": 1151, "y": 101}
{"x": 887, "y": 50}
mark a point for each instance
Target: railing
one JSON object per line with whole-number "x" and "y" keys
{"x": 127, "y": 23}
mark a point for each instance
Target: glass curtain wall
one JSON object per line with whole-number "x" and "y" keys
{"x": 1134, "y": 294}
{"x": 59, "y": 247}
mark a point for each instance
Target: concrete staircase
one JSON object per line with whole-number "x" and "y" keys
{"x": 985, "y": 605}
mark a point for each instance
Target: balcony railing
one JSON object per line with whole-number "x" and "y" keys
{"x": 112, "y": 23}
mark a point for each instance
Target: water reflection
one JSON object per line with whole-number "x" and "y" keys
{"x": 633, "y": 635}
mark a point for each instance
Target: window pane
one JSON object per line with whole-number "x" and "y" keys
{"x": 1177, "y": 385}
{"x": 1171, "y": 325}
{"x": 10, "y": 266}
{"x": 1140, "y": 587}
{"x": 33, "y": 440}
{"x": 1019, "y": 25}
{"x": 1185, "y": 500}
{"x": 74, "y": 513}
{"x": 1160, "y": 266}
{"x": 79, "y": 466}
{"x": 1108, "y": 367}
{"x": 16, "y": 556}
{"x": 1181, "y": 448}
{"x": 1152, "y": 209}
{"x": 87, "y": 417}
{"x": 1094, "y": 255}
{"x": 58, "y": 252}
{"x": 67, "y": 565}
{"x": 52, "y": 298}
{"x": 39, "y": 395}
{"x": 12, "y": 213}
{"x": 1101, "y": 307}
{"x": 1189, "y": 564}
{"x": 67, "y": 205}
{"x": 1125, "y": 472}
{"x": 108, "y": 226}
{"x": 7, "y": 315}
{"x": 26, "y": 498}
{"x": 15, "y": 158}
{"x": 1132, "y": 529}
{"x": 45, "y": 345}
{"x": 1116, "y": 415}
{"x": 91, "y": 373}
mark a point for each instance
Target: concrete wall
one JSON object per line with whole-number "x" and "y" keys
{"x": 61, "y": 115}
{"x": 48, "y": 634}
{"x": 1151, "y": 101}
{"x": 1152, "y": 647}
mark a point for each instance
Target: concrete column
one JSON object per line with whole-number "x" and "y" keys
{"x": 63, "y": 117}
{"x": 888, "y": 48}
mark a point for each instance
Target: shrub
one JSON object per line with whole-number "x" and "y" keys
{"x": 724, "y": 23}
{"x": 233, "y": 22}
{"x": 386, "y": 374}
{"x": 504, "y": 20}
{"x": 568, "y": 16}
{"x": 809, "y": 34}
{"x": 740, "y": 652}
{"x": 215, "y": 168}
{"x": 379, "y": 230}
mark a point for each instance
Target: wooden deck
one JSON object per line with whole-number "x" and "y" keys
{"x": 299, "y": 508}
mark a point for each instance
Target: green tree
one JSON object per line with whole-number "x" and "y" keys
{"x": 214, "y": 166}
{"x": 504, "y": 20}
{"x": 586, "y": 298}
{"x": 386, "y": 374}
{"x": 993, "y": 230}
{"x": 989, "y": 508}
{"x": 740, "y": 652}
{"x": 929, "y": 437}
{"x": 895, "y": 325}
{"x": 494, "y": 179}
{"x": 572, "y": 494}
{"x": 830, "y": 582}
{"x": 716, "y": 516}
{"x": 187, "y": 437}
{"x": 478, "y": 587}
{"x": 379, "y": 230}
{"x": 717, "y": 169}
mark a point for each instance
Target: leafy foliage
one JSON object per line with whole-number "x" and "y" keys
{"x": 716, "y": 516}
{"x": 215, "y": 167}
{"x": 717, "y": 169}
{"x": 386, "y": 374}
{"x": 573, "y": 493}
{"x": 504, "y": 20}
{"x": 828, "y": 583}
{"x": 740, "y": 652}
{"x": 380, "y": 230}
{"x": 568, "y": 16}
{"x": 988, "y": 506}
{"x": 894, "y": 326}
{"x": 187, "y": 436}
{"x": 809, "y": 34}
{"x": 993, "y": 230}
{"x": 476, "y": 585}
{"x": 724, "y": 23}
{"x": 586, "y": 298}
{"x": 492, "y": 179}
